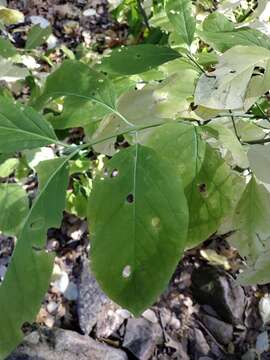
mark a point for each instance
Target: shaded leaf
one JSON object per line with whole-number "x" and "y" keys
{"x": 6, "y": 48}
{"x": 259, "y": 158}
{"x": 146, "y": 225}
{"x": 137, "y": 59}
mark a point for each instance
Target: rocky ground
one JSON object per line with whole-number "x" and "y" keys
{"x": 203, "y": 315}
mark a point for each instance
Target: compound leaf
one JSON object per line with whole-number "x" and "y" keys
{"x": 139, "y": 234}
{"x": 28, "y": 275}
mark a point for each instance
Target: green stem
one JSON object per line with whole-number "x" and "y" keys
{"x": 191, "y": 58}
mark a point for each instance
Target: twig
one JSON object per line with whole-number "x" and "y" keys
{"x": 143, "y": 14}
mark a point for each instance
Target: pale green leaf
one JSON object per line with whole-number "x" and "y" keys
{"x": 28, "y": 275}
{"x": 251, "y": 220}
{"x": 225, "y": 88}
{"x": 10, "y": 16}
{"x": 220, "y": 33}
{"x": 206, "y": 177}
{"x": 22, "y": 128}
{"x": 143, "y": 225}
{"x": 37, "y": 36}
{"x": 8, "y": 166}
{"x": 10, "y": 72}
{"x": 14, "y": 208}
{"x": 180, "y": 14}
{"x": 259, "y": 158}
{"x": 227, "y": 140}
{"x": 137, "y": 59}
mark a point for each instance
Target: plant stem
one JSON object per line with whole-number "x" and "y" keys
{"x": 143, "y": 14}
{"x": 191, "y": 58}
{"x": 235, "y": 129}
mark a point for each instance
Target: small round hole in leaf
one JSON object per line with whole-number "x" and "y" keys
{"x": 130, "y": 198}
{"x": 202, "y": 188}
{"x": 138, "y": 56}
{"x": 126, "y": 271}
{"x": 114, "y": 173}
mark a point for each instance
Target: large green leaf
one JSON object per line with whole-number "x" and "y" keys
{"x": 137, "y": 59}
{"x": 180, "y": 14}
{"x": 22, "y": 128}
{"x": 220, "y": 33}
{"x": 14, "y": 208}
{"x": 138, "y": 220}
{"x": 226, "y": 87}
{"x": 28, "y": 275}
{"x": 206, "y": 177}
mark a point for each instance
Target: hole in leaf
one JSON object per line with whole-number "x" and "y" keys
{"x": 130, "y": 198}
{"x": 126, "y": 271}
{"x": 114, "y": 173}
{"x": 202, "y": 188}
{"x": 155, "y": 222}
{"x": 232, "y": 72}
{"x": 138, "y": 56}
{"x": 37, "y": 224}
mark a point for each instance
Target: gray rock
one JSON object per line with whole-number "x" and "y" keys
{"x": 141, "y": 337}
{"x": 67, "y": 345}
{"x": 90, "y": 299}
{"x": 223, "y": 332}
{"x": 200, "y": 344}
{"x": 213, "y": 286}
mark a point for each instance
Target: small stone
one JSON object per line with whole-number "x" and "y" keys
{"x": 52, "y": 307}
{"x": 150, "y": 316}
{"x": 141, "y": 338}
{"x": 222, "y": 331}
{"x": 71, "y": 292}
{"x": 108, "y": 320}
{"x": 89, "y": 12}
{"x": 201, "y": 346}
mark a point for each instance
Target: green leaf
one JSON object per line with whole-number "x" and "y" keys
{"x": 227, "y": 140}
{"x": 10, "y": 16}
{"x": 226, "y": 87}
{"x": 8, "y": 166}
{"x": 259, "y": 158}
{"x": 6, "y": 48}
{"x": 75, "y": 79}
{"x": 151, "y": 105}
{"x": 10, "y": 72}
{"x": 144, "y": 227}
{"x": 37, "y": 36}
{"x": 22, "y": 128}
{"x": 180, "y": 15}
{"x": 137, "y": 59}
{"x": 206, "y": 177}
{"x": 251, "y": 220}
{"x": 13, "y": 200}
{"x": 220, "y": 33}
{"x": 28, "y": 275}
